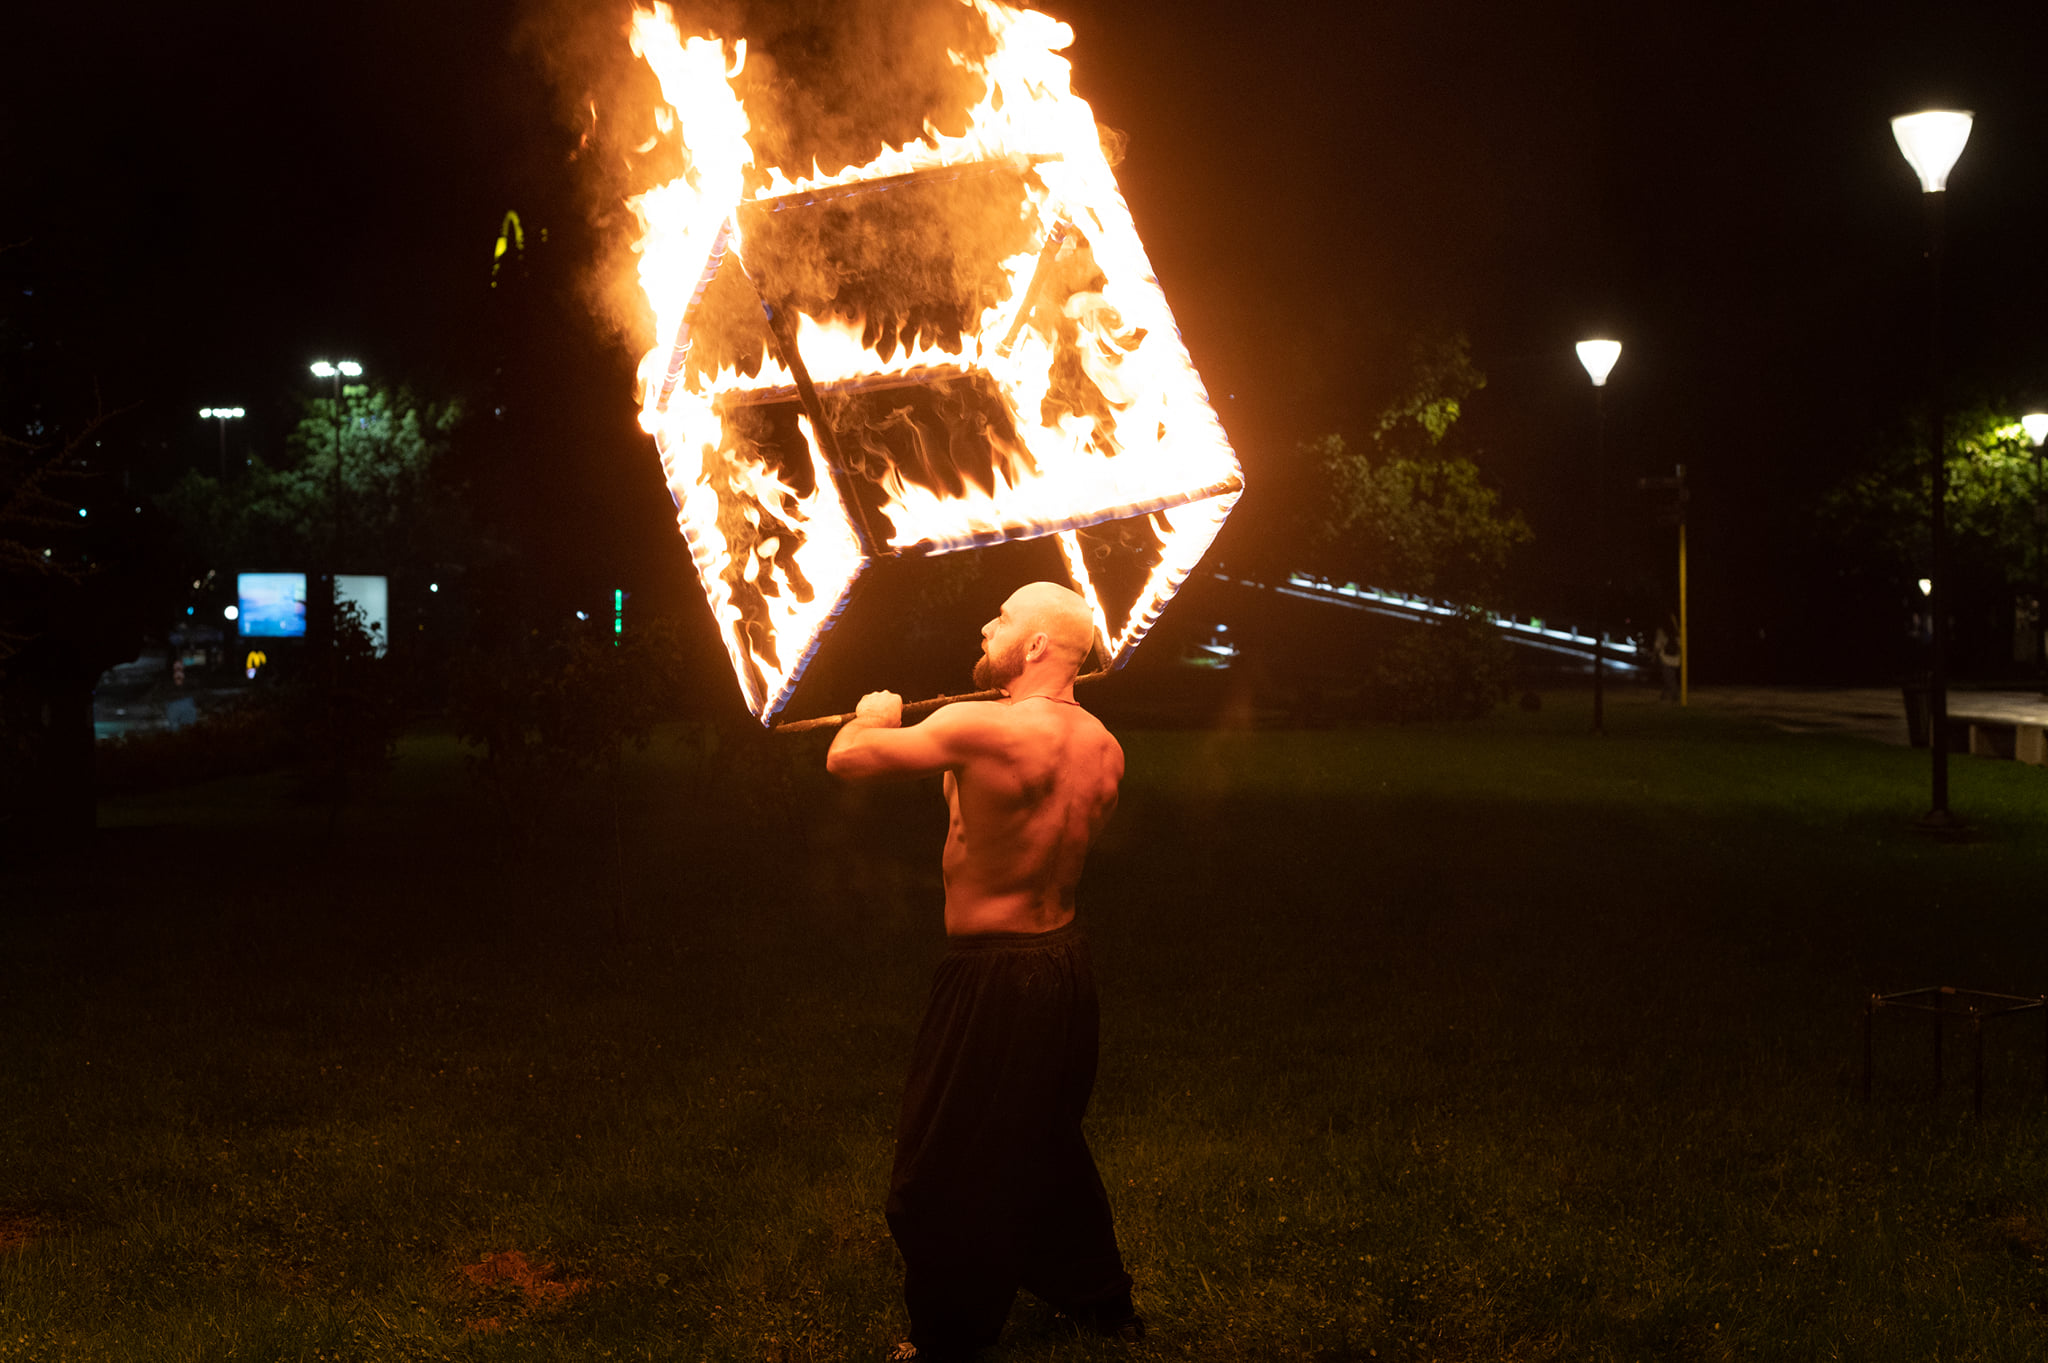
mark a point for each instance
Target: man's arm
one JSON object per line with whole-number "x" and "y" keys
{"x": 873, "y": 744}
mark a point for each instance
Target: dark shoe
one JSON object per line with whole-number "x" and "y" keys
{"x": 1131, "y": 1331}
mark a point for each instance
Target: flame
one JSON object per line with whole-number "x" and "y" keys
{"x": 776, "y": 542}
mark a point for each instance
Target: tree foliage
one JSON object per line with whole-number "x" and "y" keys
{"x": 546, "y": 711}
{"x": 1993, "y": 488}
{"x": 1403, "y": 512}
{"x": 386, "y": 507}
{"x": 34, "y": 511}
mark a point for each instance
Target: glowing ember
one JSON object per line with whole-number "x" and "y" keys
{"x": 959, "y": 343}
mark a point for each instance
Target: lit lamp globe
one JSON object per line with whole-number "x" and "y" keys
{"x": 2035, "y": 424}
{"x": 1932, "y": 140}
{"x": 1599, "y": 358}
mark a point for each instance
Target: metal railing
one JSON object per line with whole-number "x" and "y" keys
{"x": 1532, "y": 633}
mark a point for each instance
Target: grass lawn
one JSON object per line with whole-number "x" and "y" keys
{"x": 1472, "y": 1042}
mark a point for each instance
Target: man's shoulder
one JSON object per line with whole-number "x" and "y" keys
{"x": 966, "y": 721}
{"x": 966, "y": 713}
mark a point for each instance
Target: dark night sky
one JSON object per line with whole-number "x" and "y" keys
{"x": 216, "y": 194}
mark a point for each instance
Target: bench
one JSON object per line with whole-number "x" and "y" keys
{"x": 2003, "y": 738}
{"x": 1985, "y": 733}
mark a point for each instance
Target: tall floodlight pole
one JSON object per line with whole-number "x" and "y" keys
{"x": 335, "y": 372}
{"x": 1599, "y": 356}
{"x": 223, "y": 415}
{"x": 2035, "y": 424}
{"x": 1931, "y": 141}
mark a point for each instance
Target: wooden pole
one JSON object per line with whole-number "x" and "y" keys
{"x": 915, "y": 709}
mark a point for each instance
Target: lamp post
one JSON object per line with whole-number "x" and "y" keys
{"x": 223, "y": 415}
{"x": 1598, "y": 356}
{"x": 1931, "y": 142}
{"x": 336, "y": 371}
{"x": 2035, "y": 424}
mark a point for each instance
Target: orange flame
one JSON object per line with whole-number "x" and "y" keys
{"x": 779, "y": 546}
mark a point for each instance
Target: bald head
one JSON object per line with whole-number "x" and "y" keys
{"x": 1057, "y": 612}
{"x": 1043, "y": 633}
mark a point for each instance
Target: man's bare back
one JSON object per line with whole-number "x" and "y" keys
{"x": 1030, "y": 780}
{"x": 1024, "y": 817}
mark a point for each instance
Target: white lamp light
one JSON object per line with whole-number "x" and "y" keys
{"x": 350, "y": 369}
{"x": 2036, "y": 426}
{"x": 1932, "y": 141}
{"x": 322, "y": 369}
{"x": 1926, "y": 586}
{"x": 1599, "y": 358}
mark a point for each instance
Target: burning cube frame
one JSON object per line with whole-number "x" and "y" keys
{"x": 959, "y": 344}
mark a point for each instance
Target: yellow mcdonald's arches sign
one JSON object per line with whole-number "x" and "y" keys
{"x": 257, "y": 658}
{"x": 512, "y": 237}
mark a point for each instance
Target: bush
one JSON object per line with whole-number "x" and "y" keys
{"x": 548, "y": 711}
{"x": 349, "y": 714}
{"x": 241, "y": 741}
{"x": 338, "y": 723}
{"x": 1458, "y": 668}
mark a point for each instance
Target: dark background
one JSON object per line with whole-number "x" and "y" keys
{"x": 211, "y": 196}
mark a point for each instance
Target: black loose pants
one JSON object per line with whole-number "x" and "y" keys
{"x": 993, "y": 1187}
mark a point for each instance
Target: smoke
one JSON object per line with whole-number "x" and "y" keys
{"x": 826, "y": 82}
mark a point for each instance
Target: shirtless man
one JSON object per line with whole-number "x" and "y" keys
{"x": 993, "y": 1187}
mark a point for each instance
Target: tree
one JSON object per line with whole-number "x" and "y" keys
{"x": 1882, "y": 512}
{"x": 360, "y": 486}
{"x": 33, "y": 512}
{"x": 79, "y": 582}
{"x": 1405, "y": 514}
{"x": 1878, "y": 526}
{"x": 387, "y": 508}
{"x": 547, "y": 711}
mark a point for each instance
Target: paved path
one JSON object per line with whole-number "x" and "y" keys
{"x": 1877, "y": 712}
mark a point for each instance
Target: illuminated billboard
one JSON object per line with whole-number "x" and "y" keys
{"x": 273, "y": 605}
{"x": 372, "y": 596}
{"x": 270, "y": 605}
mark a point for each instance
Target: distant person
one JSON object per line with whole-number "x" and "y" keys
{"x": 993, "y": 1186}
{"x": 1669, "y": 658}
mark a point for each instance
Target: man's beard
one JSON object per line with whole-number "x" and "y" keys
{"x": 995, "y": 675}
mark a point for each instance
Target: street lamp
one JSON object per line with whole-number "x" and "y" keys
{"x": 1931, "y": 141}
{"x": 223, "y": 415}
{"x": 336, "y": 371}
{"x": 1598, "y": 356}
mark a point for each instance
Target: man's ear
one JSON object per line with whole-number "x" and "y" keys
{"x": 1040, "y": 645}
